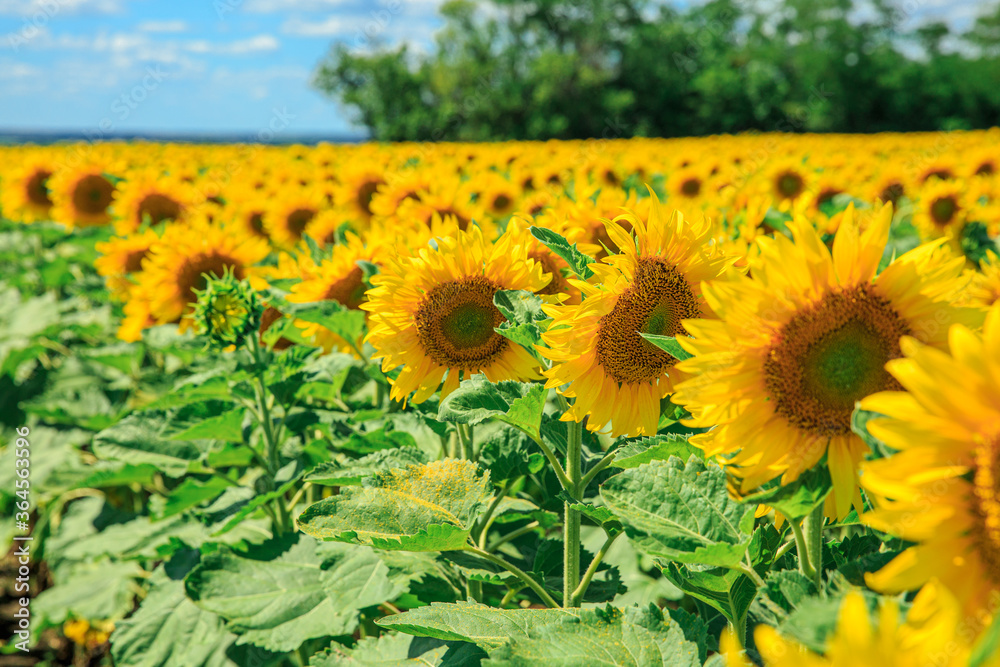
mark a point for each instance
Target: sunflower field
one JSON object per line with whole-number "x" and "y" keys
{"x": 725, "y": 401}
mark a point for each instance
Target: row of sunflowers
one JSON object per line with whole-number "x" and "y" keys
{"x": 816, "y": 315}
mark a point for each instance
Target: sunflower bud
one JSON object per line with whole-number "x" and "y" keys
{"x": 228, "y": 311}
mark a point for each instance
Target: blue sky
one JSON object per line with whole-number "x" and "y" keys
{"x": 232, "y": 66}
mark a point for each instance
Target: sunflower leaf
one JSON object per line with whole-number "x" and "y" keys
{"x": 669, "y": 345}
{"x": 389, "y": 650}
{"x": 631, "y": 637}
{"x": 430, "y": 507}
{"x": 799, "y": 498}
{"x": 729, "y": 591}
{"x": 680, "y": 512}
{"x": 656, "y": 448}
{"x": 477, "y": 399}
{"x": 578, "y": 262}
{"x": 291, "y": 589}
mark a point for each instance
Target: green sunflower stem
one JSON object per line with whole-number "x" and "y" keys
{"x": 805, "y": 566}
{"x": 571, "y": 522}
{"x": 812, "y": 527}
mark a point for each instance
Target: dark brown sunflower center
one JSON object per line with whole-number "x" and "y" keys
{"x": 943, "y": 209}
{"x": 501, "y": 202}
{"x": 943, "y": 174}
{"x": 790, "y": 184}
{"x": 830, "y": 355}
{"x": 297, "y": 220}
{"x": 559, "y": 283}
{"x": 985, "y": 169}
{"x": 349, "y": 291}
{"x": 455, "y": 324}
{"x": 892, "y": 192}
{"x": 691, "y": 187}
{"x": 256, "y": 220}
{"x": 365, "y": 194}
{"x": 986, "y": 505}
{"x": 826, "y": 195}
{"x": 656, "y": 302}
{"x": 157, "y": 208}
{"x": 133, "y": 261}
{"x": 35, "y": 188}
{"x": 191, "y": 276}
{"x": 93, "y": 194}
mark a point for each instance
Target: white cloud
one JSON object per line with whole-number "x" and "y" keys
{"x": 162, "y": 26}
{"x": 328, "y": 28}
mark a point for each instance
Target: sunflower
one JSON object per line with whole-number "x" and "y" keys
{"x": 82, "y": 197}
{"x": 357, "y": 189}
{"x": 338, "y": 278}
{"x": 286, "y": 219}
{"x": 778, "y": 374}
{"x": 930, "y": 636}
{"x": 889, "y": 186}
{"x": 433, "y": 314}
{"x": 121, "y": 258}
{"x": 941, "y": 210}
{"x": 942, "y": 488}
{"x": 598, "y": 355}
{"x": 175, "y": 267}
{"x": 148, "y": 197}
{"x": 497, "y": 195}
{"x": 787, "y": 180}
{"x": 25, "y": 195}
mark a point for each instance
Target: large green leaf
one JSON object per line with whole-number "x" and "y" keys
{"x": 525, "y": 319}
{"x": 399, "y": 651}
{"x": 485, "y": 626}
{"x": 147, "y": 438}
{"x": 286, "y": 591}
{"x": 168, "y": 630}
{"x": 681, "y": 512}
{"x": 429, "y": 507}
{"x": 635, "y": 637}
{"x": 93, "y": 591}
{"x": 477, "y": 399}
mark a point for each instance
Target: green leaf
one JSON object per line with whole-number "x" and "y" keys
{"x": 578, "y": 262}
{"x": 812, "y": 621}
{"x": 399, "y": 651}
{"x": 228, "y": 427}
{"x": 347, "y": 323}
{"x": 859, "y": 425}
{"x": 656, "y": 448}
{"x": 190, "y": 493}
{"x": 428, "y": 507}
{"x": 669, "y": 345}
{"x": 987, "y": 646}
{"x": 729, "y": 591}
{"x": 279, "y": 594}
{"x": 485, "y": 626}
{"x": 93, "y": 591}
{"x": 519, "y": 306}
{"x": 353, "y": 471}
{"x": 477, "y": 399}
{"x": 284, "y": 479}
{"x": 636, "y": 637}
{"x": 680, "y": 512}
{"x": 799, "y": 498}
{"x": 168, "y": 630}
{"x": 508, "y": 453}
{"x": 525, "y": 319}
{"x": 146, "y": 438}
{"x": 379, "y": 439}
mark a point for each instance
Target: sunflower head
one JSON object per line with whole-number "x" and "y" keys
{"x": 228, "y": 310}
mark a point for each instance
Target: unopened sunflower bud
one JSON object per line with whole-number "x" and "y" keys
{"x": 228, "y": 311}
